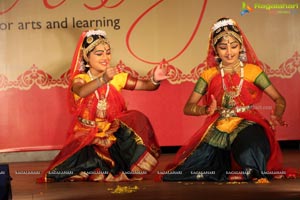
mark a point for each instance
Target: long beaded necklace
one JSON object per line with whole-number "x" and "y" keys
{"x": 102, "y": 102}
{"x": 236, "y": 90}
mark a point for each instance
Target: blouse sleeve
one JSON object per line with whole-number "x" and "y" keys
{"x": 119, "y": 80}
{"x": 204, "y": 80}
{"x": 200, "y": 86}
{"x": 256, "y": 75}
{"x": 262, "y": 81}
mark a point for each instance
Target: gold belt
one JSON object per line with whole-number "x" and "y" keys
{"x": 232, "y": 112}
{"x": 87, "y": 122}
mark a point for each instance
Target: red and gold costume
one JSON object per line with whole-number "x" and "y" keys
{"x": 119, "y": 146}
{"x": 236, "y": 138}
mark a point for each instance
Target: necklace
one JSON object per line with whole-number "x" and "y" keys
{"x": 235, "y": 90}
{"x": 102, "y": 102}
{"x": 232, "y": 68}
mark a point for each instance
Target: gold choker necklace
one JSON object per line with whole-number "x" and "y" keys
{"x": 231, "y": 68}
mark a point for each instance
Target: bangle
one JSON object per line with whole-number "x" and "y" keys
{"x": 280, "y": 104}
{"x": 199, "y": 110}
{"x": 194, "y": 109}
{"x": 153, "y": 81}
{"x": 206, "y": 110}
{"x": 203, "y": 110}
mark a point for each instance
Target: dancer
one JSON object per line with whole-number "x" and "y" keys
{"x": 235, "y": 143}
{"x": 106, "y": 141}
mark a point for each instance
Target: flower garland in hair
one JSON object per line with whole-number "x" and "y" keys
{"x": 223, "y": 23}
{"x": 96, "y": 32}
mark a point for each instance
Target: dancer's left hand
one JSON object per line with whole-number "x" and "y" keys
{"x": 276, "y": 121}
{"x": 161, "y": 73}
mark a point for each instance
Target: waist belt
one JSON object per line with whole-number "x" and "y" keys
{"x": 232, "y": 112}
{"x": 87, "y": 122}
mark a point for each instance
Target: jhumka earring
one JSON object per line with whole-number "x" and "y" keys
{"x": 217, "y": 59}
{"x": 243, "y": 55}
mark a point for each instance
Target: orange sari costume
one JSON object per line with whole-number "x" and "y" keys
{"x": 120, "y": 147}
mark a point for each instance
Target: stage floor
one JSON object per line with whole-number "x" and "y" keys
{"x": 24, "y": 186}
